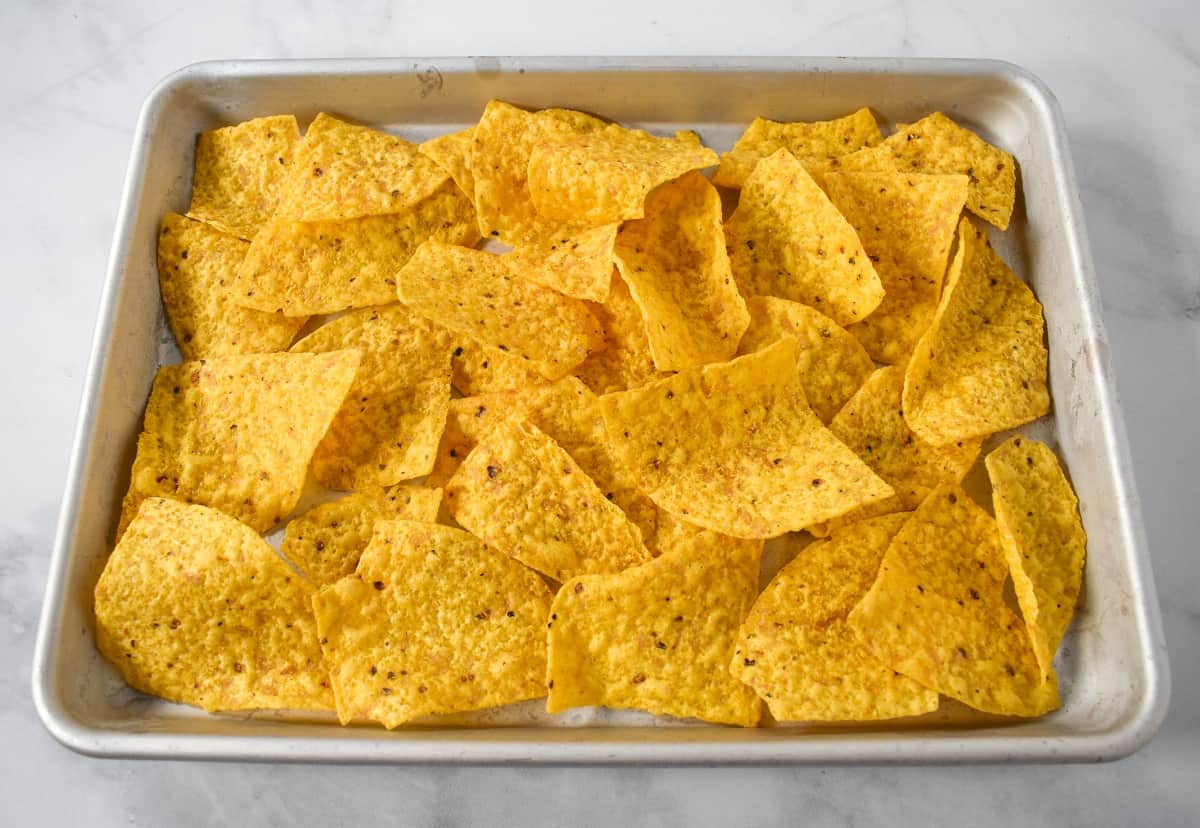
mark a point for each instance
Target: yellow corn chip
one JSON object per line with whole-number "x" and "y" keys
{"x": 935, "y": 144}
{"x": 326, "y": 542}
{"x": 303, "y": 268}
{"x": 812, "y": 143}
{"x": 502, "y": 142}
{"x": 345, "y": 171}
{"x": 196, "y": 268}
{"x": 906, "y": 223}
{"x": 241, "y": 172}
{"x": 1042, "y": 538}
{"x": 659, "y": 636}
{"x": 480, "y": 369}
{"x": 625, "y": 361}
{"x": 830, "y": 362}
{"x": 872, "y": 425}
{"x": 579, "y": 265}
{"x": 236, "y": 433}
{"x": 936, "y": 612}
{"x": 524, "y": 496}
{"x": 734, "y": 447}
{"x": 482, "y": 296}
{"x": 432, "y": 622}
{"x": 452, "y": 153}
{"x": 197, "y": 608}
{"x": 796, "y": 650}
{"x": 786, "y": 239}
{"x": 466, "y": 422}
{"x": 677, "y": 270}
{"x": 604, "y": 176}
{"x": 981, "y": 366}
{"x": 389, "y": 426}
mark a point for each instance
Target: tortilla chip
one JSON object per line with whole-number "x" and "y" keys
{"x": 345, "y": 171}
{"x": 241, "y": 172}
{"x": 734, "y": 447}
{"x": 326, "y": 542}
{"x": 812, "y": 143}
{"x": 502, "y": 142}
{"x": 467, "y": 420}
{"x": 906, "y": 223}
{"x": 196, "y": 267}
{"x": 797, "y": 651}
{"x": 872, "y": 425}
{"x": 1042, "y": 538}
{"x": 579, "y": 265}
{"x": 236, "y": 433}
{"x": 526, "y": 497}
{"x": 625, "y": 361}
{"x": 452, "y": 152}
{"x": 300, "y": 268}
{"x": 483, "y": 296}
{"x": 197, "y": 608}
{"x": 787, "y": 239}
{"x": 677, "y": 270}
{"x": 659, "y": 636}
{"x": 830, "y": 362}
{"x": 604, "y": 176}
{"x": 981, "y": 367}
{"x": 936, "y": 612}
{"x": 388, "y": 428}
{"x": 480, "y": 369}
{"x": 432, "y": 622}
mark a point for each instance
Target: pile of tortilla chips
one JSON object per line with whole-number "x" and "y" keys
{"x": 547, "y": 467}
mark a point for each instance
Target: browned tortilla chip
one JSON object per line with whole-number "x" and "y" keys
{"x": 452, "y": 153}
{"x": 797, "y": 651}
{"x": 906, "y": 223}
{"x": 981, "y": 366}
{"x": 241, "y": 172}
{"x": 677, "y": 270}
{"x": 483, "y": 296}
{"x": 786, "y": 239}
{"x": 734, "y": 447}
{"x": 625, "y": 361}
{"x": 196, "y": 267}
{"x": 195, "y": 607}
{"x": 813, "y": 143}
{"x": 345, "y": 171}
{"x": 388, "y": 428}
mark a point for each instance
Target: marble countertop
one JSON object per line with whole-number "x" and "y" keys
{"x": 73, "y": 76}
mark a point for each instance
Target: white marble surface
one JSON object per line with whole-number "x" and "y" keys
{"x": 72, "y": 76}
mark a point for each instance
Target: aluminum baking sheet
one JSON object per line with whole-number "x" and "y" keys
{"x": 1112, "y": 664}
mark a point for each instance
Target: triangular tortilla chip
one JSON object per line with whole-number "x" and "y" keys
{"x": 388, "y": 428}
{"x": 326, "y": 542}
{"x": 981, "y": 366}
{"x": 241, "y": 172}
{"x": 579, "y": 264}
{"x": 797, "y": 651}
{"x": 300, "y": 268}
{"x": 480, "y": 369}
{"x": 734, "y": 447}
{"x": 483, "y": 296}
{"x": 236, "y": 433}
{"x": 526, "y": 497}
{"x": 196, "y": 268}
{"x": 677, "y": 270}
{"x": 195, "y": 607}
{"x": 786, "y": 239}
{"x": 831, "y": 363}
{"x": 604, "y": 176}
{"x": 1042, "y": 537}
{"x": 432, "y": 622}
{"x": 659, "y": 636}
{"x": 345, "y": 171}
{"x": 936, "y": 612}
{"x": 906, "y": 223}
{"x": 812, "y": 143}
{"x": 625, "y": 361}
{"x": 452, "y": 152}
